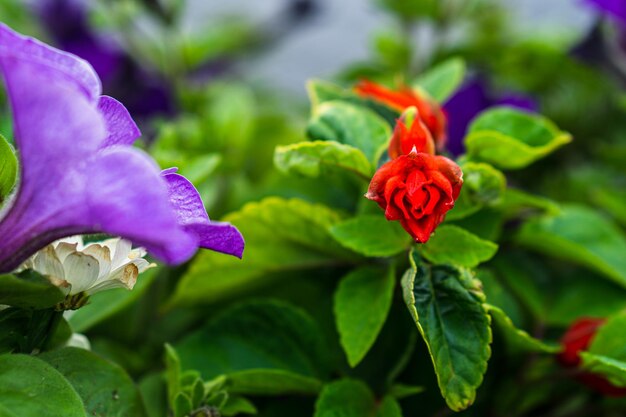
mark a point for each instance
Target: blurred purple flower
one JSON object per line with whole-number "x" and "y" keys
{"x": 78, "y": 172}
{"x": 614, "y": 9}
{"x": 467, "y": 102}
{"x": 67, "y": 22}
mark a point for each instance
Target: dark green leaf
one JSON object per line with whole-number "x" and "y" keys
{"x": 28, "y": 386}
{"x": 456, "y": 246}
{"x": 613, "y": 369}
{"x": 580, "y": 235}
{"x": 29, "y": 290}
{"x": 294, "y": 229}
{"x": 237, "y": 405}
{"x": 237, "y": 344}
{"x": 105, "y": 388}
{"x": 314, "y": 159}
{"x": 362, "y": 303}
{"x": 518, "y": 339}
{"x": 371, "y": 235}
{"x": 607, "y": 352}
{"x": 401, "y": 391}
{"x": 512, "y": 139}
{"x": 352, "y": 125}
{"x": 345, "y": 398}
{"x": 389, "y": 407}
{"x": 447, "y": 306}
{"x": 443, "y": 79}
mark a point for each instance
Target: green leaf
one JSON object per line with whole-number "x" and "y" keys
{"x": 172, "y": 373}
{"x": 351, "y": 125}
{"x": 8, "y": 168}
{"x": 483, "y": 185}
{"x": 516, "y": 201}
{"x": 447, "y": 306}
{"x": 400, "y": 391}
{"x": 29, "y": 290}
{"x": 389, "y": 407}
{"x": 512, "y": 139}
{"x": 182, "y": 405}
{"x": 607, "y": 352}
{"x": 371, "y": 235}
{"x": 236, "y": 344}
{"x": 345, "y": 398}
{"x": 237, "y": 405}
{"x": 29, "y": 387}
{"x": 519, "y": 339}
{"x": 295, "y": 229}
{"x": 443, "y": 79}
{"x": 613, "y": 369}
{"x": 314, "y": 159}
{"x": 362, "y": 303}
{"x": 580, "y": 235}
{"x": 456, "y": 246}
{"x": 107, "y": 303}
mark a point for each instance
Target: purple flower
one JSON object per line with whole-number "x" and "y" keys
{"x": 79, "y": 173}
{"x": 470, "y": 100}
{"x": 614, "y": 9}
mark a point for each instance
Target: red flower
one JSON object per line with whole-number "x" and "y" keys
{"x": 417, "y": 189}
{"x": 577, "y": 339}
{"x": 429, "y": 111}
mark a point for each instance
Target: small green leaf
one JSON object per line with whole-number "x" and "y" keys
{"x": 28, "y": 386}
{"x": 351, "y": 125}
{"x": 456, "y": 246}
{"x": 613, "y": 369}
{"x": 314, "y": 159}
{"x": 295, "y": 229}
{"x": 607, "y": 352}
{"x": 483, "y": 185}
{"x": 28, "y": 290}
{"x": 8, "y": 168}
{"x": 237, "y": 405}
{"x": 512, "y": 139}
{"x": 582, "y": 236}
{"x": 362, "y": 303}
{"x": 345, "y": 398}
{"x": 371, "y": 235}
{"x": 443, "y": 79}
{"x": 519, "y": 339}
{"x": 400, "y": 391}
{"x": 172, "y": 373}
{"x": 105, "y": 388}
{"x": 389, "y": 407}
{"x": 182, "y": 405}
{"x": 236, "y": 344}
{"x": 447, "y": 306}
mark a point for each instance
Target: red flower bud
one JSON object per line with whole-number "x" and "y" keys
{"x": 405, "y": 140}
{"x": 417, "y": 189}
{"x": 577, "y": 339}
{"x": 429, "y": 110}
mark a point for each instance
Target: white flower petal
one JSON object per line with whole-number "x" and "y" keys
{"x": 123, "y": 277}
{"x": 64, "y": 248}
{"x": 122, "y": 250}
{"x": 103, "y": 255}
{"x": 47, "y": 263}
{"x": 79, "y": 340}
{"x": 81, "y": 271}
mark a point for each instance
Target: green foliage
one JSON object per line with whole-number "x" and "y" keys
{"x": 483, "y": 186}
{"x": 447, "y": 306}
{"x": 28, "y": 385}
{"x": 318, "y": 158}
{"x": 236, "y": 344}
{"x": 28, "y": 290}
{"x": 362, "y": 303}
{"x": 351, "y": 125}
{"x": 518, "y": 339}
{"x": 371, "y": 235}
{"x": 456, "y": 246}
{"x": 8, "y": 168}
{"x": 296, "y": 230}
{"x": 105, "y": 388}
{"x": 352, "y": 398}
{"x": 443, "y": 79}
{"x": 582, "y": 236}
{"x": 512, "y": 139}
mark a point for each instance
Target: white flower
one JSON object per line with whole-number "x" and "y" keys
{"x": 76, "y": 268}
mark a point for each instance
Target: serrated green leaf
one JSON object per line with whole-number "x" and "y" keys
{"x": 483, "y": 185}
{"x": 8, "y": 168}
{"x": 29, "y": 290}
{"x": 295, "y": 229}
{"x": 580, "y": 235}
{"x": 447, "y": 306}
{"x": 105, "y": 388}
{"x": 314, "y": 159}
{"x": 345, "y": 398}
{"x": 362, "y": 303}
{"x": 443, "y": 79}
{"x": 456, "y": 246}
{"x": 512, "y": 139}
{"x": 518, "y": 339}
{"x": 352, "y": 125}
{"x": 236, "y": 344}
{"x": 28, "y": 385}
{"x": 371, "y": 235}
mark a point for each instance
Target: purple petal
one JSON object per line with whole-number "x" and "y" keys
{"x": 71, "y": 68}
{"x": 120, "y": 126}
{"x": 518, "y": 101}
{"x": 221, "y": 237}
{"x": 615, "y": 9}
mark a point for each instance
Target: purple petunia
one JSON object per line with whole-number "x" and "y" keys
{"x": 79, "y": 173}
{"x": 614, "y": 9}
